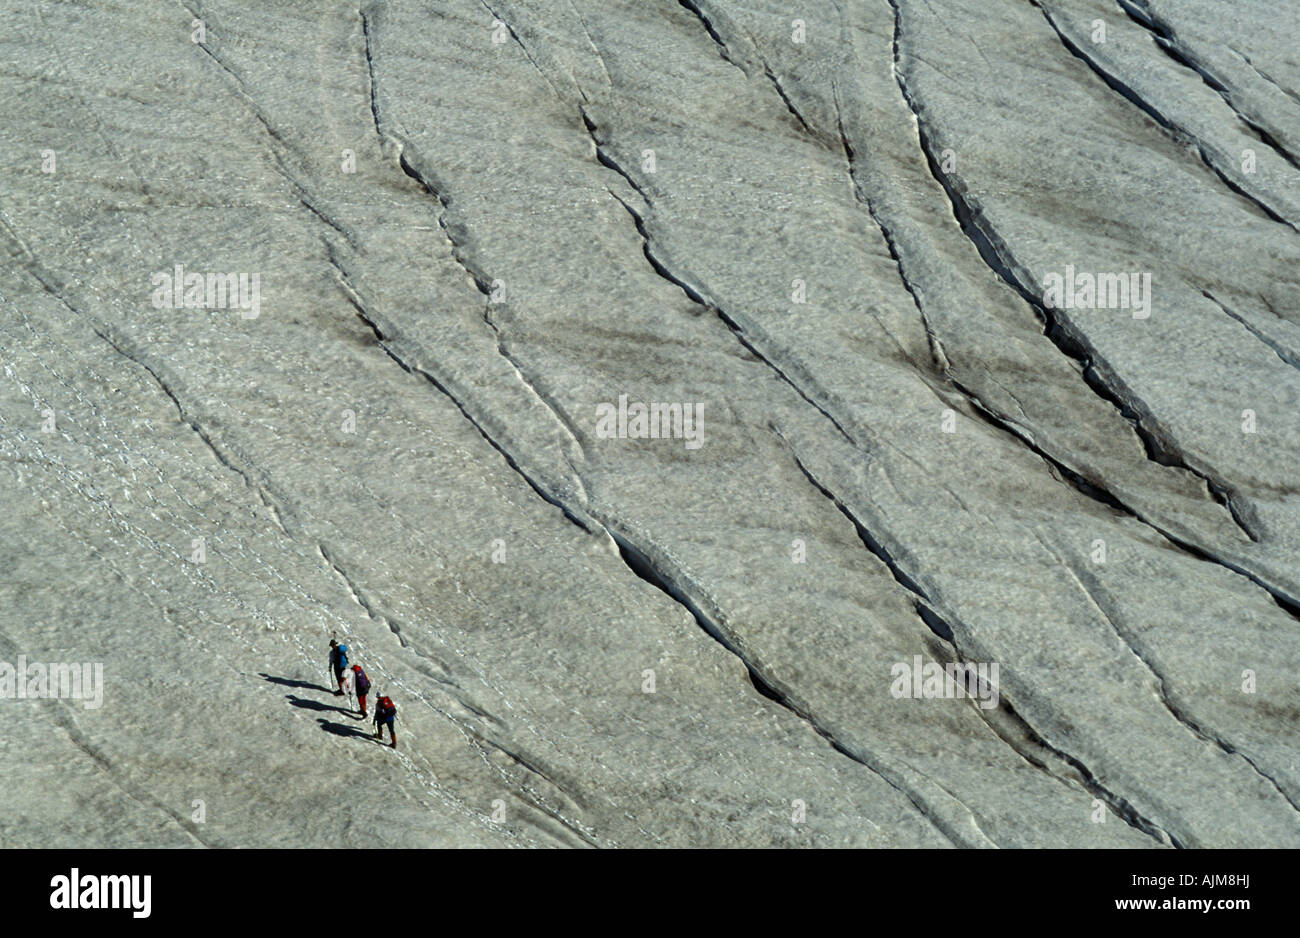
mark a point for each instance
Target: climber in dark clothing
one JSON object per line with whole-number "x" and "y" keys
{"x": 338, "y": 661}
{"x": 385, "y": 714}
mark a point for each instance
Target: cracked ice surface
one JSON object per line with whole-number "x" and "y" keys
{"x": 473, "y": 223}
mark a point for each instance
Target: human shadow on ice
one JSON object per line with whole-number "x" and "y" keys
{"x": 342, "y": 729}
{"x": 317, "y": 705}
{"x": 291, "y": 682}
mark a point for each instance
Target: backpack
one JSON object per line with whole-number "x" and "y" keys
{"x": 386, "y": 708}
{"x": 343, "y": 656}
{"x": 363, "y": 682}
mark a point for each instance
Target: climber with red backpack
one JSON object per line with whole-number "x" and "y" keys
{"x": 362, "y": 683}
{"x": 385, "y": 713}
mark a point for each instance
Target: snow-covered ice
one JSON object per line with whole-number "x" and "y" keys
{"x": 452, "y": 259}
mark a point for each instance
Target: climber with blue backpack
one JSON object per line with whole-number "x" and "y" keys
{"x": 338, "y": 661}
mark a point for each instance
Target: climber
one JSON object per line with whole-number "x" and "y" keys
{"x": 385, "y": 713}
{"x": 362, "y": 684}
{"x": 338, "y": 661}
{"x": 345, "y": 683}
